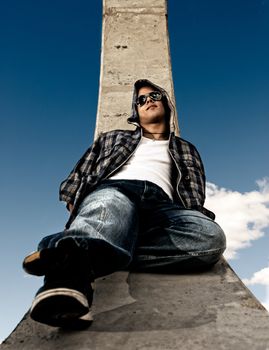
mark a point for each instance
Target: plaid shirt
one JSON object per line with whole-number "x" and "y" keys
{"x": 112, "y": 149}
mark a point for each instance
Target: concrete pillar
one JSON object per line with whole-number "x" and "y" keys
{"x": 135, "y": 44}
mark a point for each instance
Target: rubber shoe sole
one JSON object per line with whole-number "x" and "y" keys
{"x": 61, "y": 307}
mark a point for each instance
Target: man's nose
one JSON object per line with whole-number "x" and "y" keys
{"x": 149, "y": 99}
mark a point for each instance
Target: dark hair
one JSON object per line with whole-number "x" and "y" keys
{"x": 166, "y": 107}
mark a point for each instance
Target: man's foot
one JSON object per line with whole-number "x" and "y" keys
{"x": 65, "y": 307}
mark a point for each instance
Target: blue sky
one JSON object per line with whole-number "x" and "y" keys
{"x": 49, "y": 76}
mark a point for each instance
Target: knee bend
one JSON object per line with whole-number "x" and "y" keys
{"x": 215, "y": 237}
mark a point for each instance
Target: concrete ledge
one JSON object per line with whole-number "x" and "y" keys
{"x": 203, "y": 310}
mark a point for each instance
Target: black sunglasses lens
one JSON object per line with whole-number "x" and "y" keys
{"x": 141, "y": 100}
{"x": 154, "y": 95}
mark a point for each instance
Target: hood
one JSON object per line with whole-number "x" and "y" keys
{"x": 169, "y": 107}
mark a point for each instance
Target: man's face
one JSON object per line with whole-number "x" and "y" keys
{"x": 152, "y": 112}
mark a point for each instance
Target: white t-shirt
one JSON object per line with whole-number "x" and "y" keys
{"x": 150, "y": 162}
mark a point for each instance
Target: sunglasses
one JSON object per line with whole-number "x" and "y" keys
{"x": 154, "y": 96}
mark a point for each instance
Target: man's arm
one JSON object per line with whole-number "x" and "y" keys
{"x": 71, "y": 184}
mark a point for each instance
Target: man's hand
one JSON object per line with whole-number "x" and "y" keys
{"x": 70, "y": 207}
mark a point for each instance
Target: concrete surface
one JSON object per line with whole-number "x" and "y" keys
{"x": 206, "y": 310}
{"x": 135, "y": 44}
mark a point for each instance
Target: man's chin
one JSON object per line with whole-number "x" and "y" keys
{"x": 154, "y": 119}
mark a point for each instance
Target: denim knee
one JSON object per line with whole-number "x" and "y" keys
{"x": 216, "y": 238}
{"x": 196, "y": 233}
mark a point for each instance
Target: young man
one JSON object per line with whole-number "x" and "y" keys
{"x": 136, "y": 201}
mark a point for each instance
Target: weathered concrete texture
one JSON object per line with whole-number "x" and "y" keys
{"x": 207, "y": 310}
{"x": 135, "y": 45}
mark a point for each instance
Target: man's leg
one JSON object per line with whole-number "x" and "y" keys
{"x": 178, "y": 239}
{"x": 106, "y": 227}
{"x": 100, "y": 240}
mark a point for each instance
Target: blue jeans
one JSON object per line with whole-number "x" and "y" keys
{"x": 134, "y": 224}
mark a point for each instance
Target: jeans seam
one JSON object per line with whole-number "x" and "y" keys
{"x": 144, "y": 191}
{"x": 103, "y": 216}
{"x": 196, "y": 216}
{"x": 204, "y": 253}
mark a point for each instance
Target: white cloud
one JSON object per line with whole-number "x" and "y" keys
{"x": 259, "y": 277}
{"x": 243, "y": 216}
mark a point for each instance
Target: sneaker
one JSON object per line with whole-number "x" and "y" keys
{"x": 40, "y": 262}
{"x": 66, "y": 307}
{"x": 66, "y": 296}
